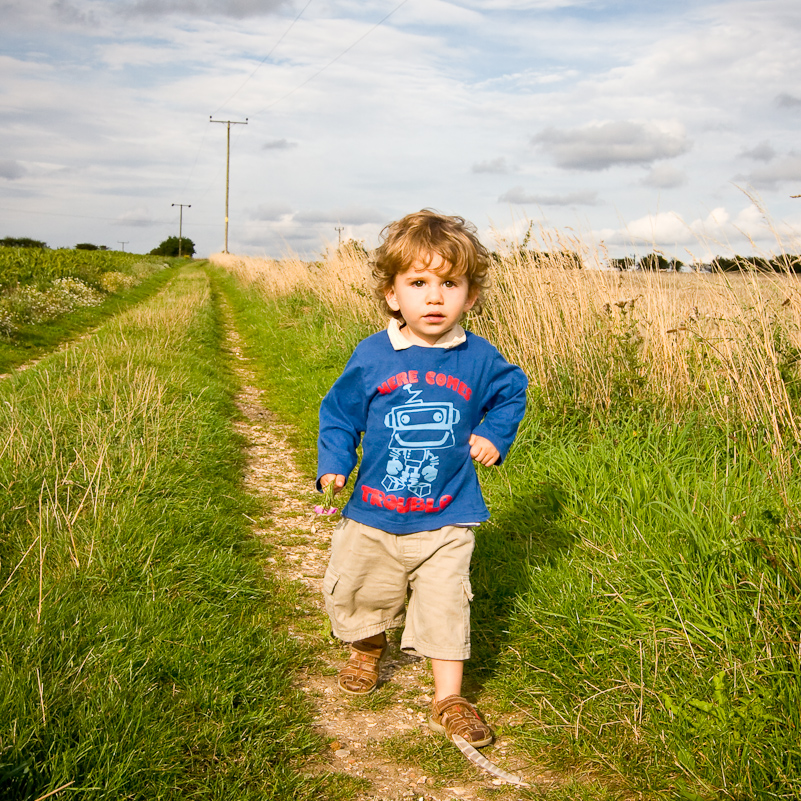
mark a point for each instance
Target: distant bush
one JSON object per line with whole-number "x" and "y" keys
{"x": 89, "y": 246}
{"x": 21, "y": 242}
{"x": 171, "y": 246}
{"x": 784, "y": 263}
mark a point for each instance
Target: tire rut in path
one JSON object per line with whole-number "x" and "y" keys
{"x": 356, "y": 728}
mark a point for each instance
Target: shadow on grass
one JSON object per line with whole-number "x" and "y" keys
{"x": 530, "y": 531}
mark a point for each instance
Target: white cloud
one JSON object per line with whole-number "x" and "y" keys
{"x": 524, "y": 5}
{"x": 11, "y": 170}
{"x": 496, "y": 166}
{"x": 518, "y": 196}
{"x": 107, "y": 113}
{"x": 703, "y": 237}
{"x": 599, "y": 146}
{"x": 353, "y": 215}
{"x": 779, "y": 170}
{"x": 764, "y": 151}
{"x": 665, "y": 176}
{"x": 786, "y": 100}
{"x": 203, "y": 8}
{"x": 279, "y": 144}
{"x": 272, "y": 212}
{"x": 139, "y": 217}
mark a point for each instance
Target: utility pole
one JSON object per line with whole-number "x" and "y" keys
{"x": 339, "y": 229}
{"x": 123, "y": 244}
{"x": 229, "y": 123}
{"x": 181, "y": 223}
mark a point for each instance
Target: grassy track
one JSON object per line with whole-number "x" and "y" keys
{"x": 637, "y": 591}
{"x": 141, "y": 645}
{"x": 33, "y": 340}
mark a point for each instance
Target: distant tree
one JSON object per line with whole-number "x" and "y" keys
{"x": 86, "y": 246}
{"x": 653, "y": 261}
{"x": 169, "y": 247}
{"x": 626, "y": 263}
{"x": 742, "y": 263}
{"x": 21, "y": 242}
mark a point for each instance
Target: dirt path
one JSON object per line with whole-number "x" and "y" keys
{"x": 363, "y": 733}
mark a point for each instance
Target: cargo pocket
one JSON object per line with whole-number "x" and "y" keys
{"x": 330, "y": 581}
{"x": 468, "y": 597}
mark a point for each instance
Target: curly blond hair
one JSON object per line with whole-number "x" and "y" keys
{"x": 416, "y": 238}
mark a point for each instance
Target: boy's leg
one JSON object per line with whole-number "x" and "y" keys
{"x": 359, "y": 676}
{"x": 451, "y": 714}
{"x": 439, "y": 623}
{"x": 365, "y": 593}
{"x": 447, "y": 678}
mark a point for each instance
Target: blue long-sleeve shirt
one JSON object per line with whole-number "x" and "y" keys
{"x": 413, "y": 410}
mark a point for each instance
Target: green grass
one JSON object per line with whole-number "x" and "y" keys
{"x": 638, "y": 600}
{"x": 33, "y": 340}
{"x": 143, "y": 651}
{"x": 654, "y": 623}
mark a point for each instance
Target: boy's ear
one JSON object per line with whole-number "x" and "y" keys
{"x": 472, "y": 297}
{"x": 392, "y": 301}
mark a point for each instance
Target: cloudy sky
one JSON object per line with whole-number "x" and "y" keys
{"x": 628, "y": 125}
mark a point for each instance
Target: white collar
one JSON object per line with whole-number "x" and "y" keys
{"x": 450, "y": 339}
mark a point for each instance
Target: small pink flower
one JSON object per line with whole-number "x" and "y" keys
{"x": 327, "y": 507}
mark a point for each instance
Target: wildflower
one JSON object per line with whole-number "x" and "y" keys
{"x": 327, "y": 507}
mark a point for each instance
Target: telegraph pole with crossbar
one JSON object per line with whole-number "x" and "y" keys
{"x": 229, "y": 123}
{"x": 181, "y": 223}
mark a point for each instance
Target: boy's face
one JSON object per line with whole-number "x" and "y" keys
{"x": 430, "y": 300}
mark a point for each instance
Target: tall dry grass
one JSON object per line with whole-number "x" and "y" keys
{"x": 724, "y": 343}
{"x": 341, "y": 281}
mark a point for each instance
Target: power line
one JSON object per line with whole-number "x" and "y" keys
{"x": 242, "y": 85}
{"x": 333, "y": 60}
{"x": 261, "y": 63}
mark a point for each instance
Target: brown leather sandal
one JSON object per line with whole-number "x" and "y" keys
{"x": 359, "y": 676}
{"x": 455, "y": 715}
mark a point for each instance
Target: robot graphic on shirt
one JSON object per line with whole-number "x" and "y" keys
{"x": 419, "y": 429}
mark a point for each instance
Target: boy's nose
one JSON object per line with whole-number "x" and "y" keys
{"x": 434, "y": 295}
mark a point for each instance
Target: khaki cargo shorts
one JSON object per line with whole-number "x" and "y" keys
{"x": 371, "y": 572}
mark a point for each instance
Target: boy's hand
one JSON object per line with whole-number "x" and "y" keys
{"x": 483, "y": 451}
{"x": 339, "y": 481}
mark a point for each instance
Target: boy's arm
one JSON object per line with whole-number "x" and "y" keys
{"x": 343, "y": 415}
{"x": 503, "y": 411}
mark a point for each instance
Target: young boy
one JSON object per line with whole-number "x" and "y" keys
{"x": 423, "y": 397}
